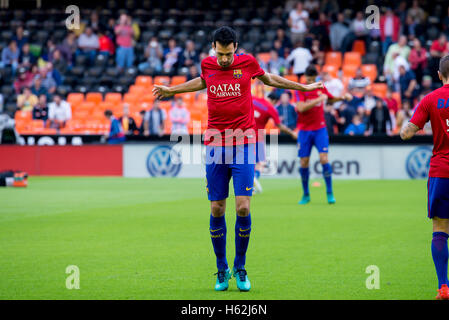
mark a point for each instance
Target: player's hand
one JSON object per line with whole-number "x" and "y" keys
{"x": 162, "y": 91}
{"x": 294, "y": 135}
{"x": 348, "y": 96}
{"x": 315, "y": 85}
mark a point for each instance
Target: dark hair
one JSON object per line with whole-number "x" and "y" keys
{"x": 311, "y": 71}
{"x": 444, "y": 66}
{"x": 224, "y": 35}
{"x": 108, "y": 113}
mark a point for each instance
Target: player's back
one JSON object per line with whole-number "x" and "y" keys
{"x": 263, "y": 112}
{"x": 312, "y": 119}
{"x": 435, "y": 107}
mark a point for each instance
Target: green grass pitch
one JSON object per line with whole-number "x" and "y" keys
{"x": 149, "y": 239}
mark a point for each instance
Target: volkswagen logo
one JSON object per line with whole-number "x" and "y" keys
{"x": 163, "y": 161}
{"x": 418, "y": 162}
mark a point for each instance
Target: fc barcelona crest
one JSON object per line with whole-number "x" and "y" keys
{"x": 238, "y": 73}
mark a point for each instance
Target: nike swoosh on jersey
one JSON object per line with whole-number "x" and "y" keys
{"x": 247, "y": 189}
{"x": 211, "y": 75}
{"x": 241, "y": 230}
{"x": 215, "y": 230}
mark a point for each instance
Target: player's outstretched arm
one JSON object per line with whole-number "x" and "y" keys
{"x": 303, "y": 106}
{"x": 276, "y": 81}
{"x": 346, "y": 97}
{"x": 189, "y": 86}
{"x": 409, "y": 131}
{"x": 287, "y": 130}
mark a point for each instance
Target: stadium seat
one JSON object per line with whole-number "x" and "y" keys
{"x": 397, "y": 96}
{"x": 379, "y": 89}
{"x": 138, "y": 89}
{"x": 370, "y": 71}
{"x": 22, "y": 115}
{"x": 131, "y": 98}
{"x": 113, "y": 97}
{"x": 353, "y": 58}
{"x": 147, "y": 98}
{"x": 95, "y": 97}
{"x": 161, "y": 80}
{"x": 359, "y": 46}
{"x": 349, "y": 70}
{"x": 291, "y": 77}
{"x": 264, "y": 57}
{"x": 104, "y": 105}
{"x": 75, "y": 98}
{"x": 178, "y": 80}
{"x": 331, "y": 69}
{"x": 333, "y": 58}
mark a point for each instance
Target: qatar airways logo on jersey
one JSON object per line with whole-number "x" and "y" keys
{"x": 226, "y": 90}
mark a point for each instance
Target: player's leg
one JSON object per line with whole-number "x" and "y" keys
{"x": 322, "y": 144}
{"x": 243, "y": 178}
{"x": 438, "y": 211}
{"x": 217, "y": 187}
{"x": 260, "y": 158}
{"x": 304, "y": 150}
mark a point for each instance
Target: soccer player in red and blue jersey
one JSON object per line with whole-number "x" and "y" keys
{"x": 435, "y": 107}
{"x": 313, "y": 132}
{"x": 230, "y": 142}
{"x": 263, "y": 112}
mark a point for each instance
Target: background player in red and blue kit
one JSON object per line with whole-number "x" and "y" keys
{"x": 263, "y": 112}
{"x": 435, "y": 107}
{"x": 227, "y": 78}
{"x": 313, "y": 132}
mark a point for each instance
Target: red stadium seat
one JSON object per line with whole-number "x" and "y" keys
{"x": 333, "y": 58}
{"x": 331, "y": 69}
{"x": 359, "y": 46}
{"x": 353, "y": 58}
{"x": 75, "y": 98}
{"x": 178, "y": 80}
{"x": 113, "y": 97}
{"x": 145, "y": 81}
{"x": 349, "y": 70}
{"x": 95, "y": 97}
{"x": 264, "y": 56}
{"x": 370, "y": 71}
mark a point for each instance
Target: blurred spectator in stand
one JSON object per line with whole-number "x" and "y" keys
{"x": 391, "y": 102}
{"x": 26, "y": 59}
{"x": 330, "y": 116}
{"x": 154, "y": 120}
{"x": 417, "y": 13}
{"x": 24, "y": 79}
{"x": 106, "y": 45}
{"x": 409, "y": 28}
{"x": 320, "y": 29}
{"x": 286, "y": 111}
{"x": 301, "y": 58}
{"x": 392, "y": 73}
{"x": 27, "y": 100}
{"x": 276, "y": 64}
{"x": 284, "y": 43}
{"x": 338, "y": 31}
{"x": 48, "y": 50}
{"x": 358, "y": 27}
{"x": 298, "y": 19}
{"x": 58, "y": 62}
{"x": 171, "y": 57}
{"x": 153, "y": 55}
{"x": 427, "y": 85}
{"x": 189, "y": 56}
{"x": 193, "y": 73}
{"x": 404, "y": 115}
{"x": 400, "y": 48}
{"x": 1, "y": 102}
{"x": 95, "y": 22}
{"x": 389, "y": 29}
{"x": 116, "y": 134}
{"x": 128, "y": 124}
{"x": 330, "y": 6}
{"x": 179, "y": 117}
{"x": 37, "y": 89}
{"x": 68, "y": 48}
{"x": 334, "y": 86}
{"x": 55, "y": 74}
{"x": 124, "y": 33}
{"x": 356, "y": 127}
{"x": 47, "y": 80}
{"x": 88, "y": 45}
{"x": 418, "y": 59}
{"x": 59, "y": 112}
{"x": 40, "y": 110}
{"x": 379, "y": 121}
{"x": 438, "y": 50}
{"x": 407, "y": 83}
{"x": 20, "y": 38}
{"x": 369, "y": 100}
{"x": 317, "y": 51}
{"x": 312, "y": 6}
{"x": 359, "y": 82}
{"x": 10, "y": 57}
{"x": 346, "y": 112}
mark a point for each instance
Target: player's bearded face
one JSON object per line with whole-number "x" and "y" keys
{"x": 225, "y": 54}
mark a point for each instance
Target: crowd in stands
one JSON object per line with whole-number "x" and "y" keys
{"x": 60, "y": 81}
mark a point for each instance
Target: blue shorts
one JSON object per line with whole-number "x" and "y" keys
{"x": 260, "y": 151}
{"x": 307, "y": 139}
{"x": 438, "y": 198}
{"x": 222, "y": 163}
